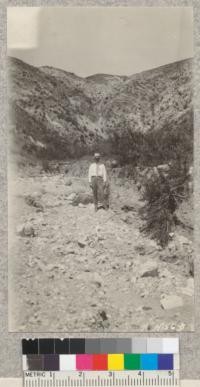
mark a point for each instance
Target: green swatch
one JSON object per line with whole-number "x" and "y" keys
{"x": 131, "y": 361}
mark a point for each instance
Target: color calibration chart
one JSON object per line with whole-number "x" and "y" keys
{"x": 78, "y": 362}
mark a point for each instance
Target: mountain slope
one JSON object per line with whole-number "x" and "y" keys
{"x": 57, "y": 114}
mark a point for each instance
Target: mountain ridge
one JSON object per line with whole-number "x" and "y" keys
{"x": 79, "y": 114}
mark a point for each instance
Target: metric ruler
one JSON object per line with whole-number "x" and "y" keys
{"x": 101, "y": 378}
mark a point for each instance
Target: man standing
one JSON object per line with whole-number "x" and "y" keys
{"x": 98, "y": 181}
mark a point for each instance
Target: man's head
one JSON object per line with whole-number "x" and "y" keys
{"x": 97, "y": 156}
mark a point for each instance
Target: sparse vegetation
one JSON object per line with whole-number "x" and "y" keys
{"x": 143, "y": 120}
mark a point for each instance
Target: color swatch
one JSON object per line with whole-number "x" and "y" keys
{"x": 101, "y": 354}
{"x": 104, "y": 362}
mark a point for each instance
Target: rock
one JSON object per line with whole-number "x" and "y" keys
{"x": 42, "y": 266}
{"x": 140, "y": 248}
{"x": 71, "y": 251}
{"x": 68, "y": 182}
{"x": 97, "y": 279}
{"x": 165, "y": 273}
{"x": 102, "y": 259}
{"x": 163, "y": 167}
{"x": 170, "y": 254}
{"x": 149, "y": 269}
{"x": 127, "y": 219}
{"x": 82, "y": 243}
{"x": 114, "y": 164}
{"x": 82, "y": 258}
{"x": 56, "y": 168}
{"x": 103, "y": 315}
{"x": 189, "y": 289}
{"x": 52, "y": 267}
{"x": 26, "y": 230}
{"x": 116, "y": 266}
{"x": 146, "y": 308}
{"x": 183, "y": 240}
{"x": 139, "y": 309}
{"x": 127, "y": 208}
{"x": 143, "y": 294}
{"x": 171, "y": 302}
{"x": 34, "y": 201}
{"x": 72, "y": 196}
{"x": 190, "y": 283}
{"x": 81, "y": 205}
{"x": 82, "y": 198}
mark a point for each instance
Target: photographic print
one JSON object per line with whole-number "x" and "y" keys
{"x": 100, "y": 169}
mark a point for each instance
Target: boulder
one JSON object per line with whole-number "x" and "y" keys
{"x": 171, "y": 302}
{"x": 127, "y": 208}
{"x": 82, "y": 198}
{"x": 163, "y": 167}
{"x": 34, "y": 201}
{"x": 103, "y": 315}
{"x": 82, "y": 242}
{"x": 97, "y": 280}
{"x": 71, "y": 197}
{"x": 68, "y": 182}
{"x": 127, "y": 219}
{"x": 149, "y": 269}
{"x": 189, "y": 289}
{"x": 26, "y": 230}
{"x": 114, "y": 164}
{"x": 183, "y": 240}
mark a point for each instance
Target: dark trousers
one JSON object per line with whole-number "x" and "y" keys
{"x": 98, "y": 191}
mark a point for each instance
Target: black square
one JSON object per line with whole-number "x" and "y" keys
{"x": 61, "y": 346}
{"x": 30, "y": 346}
{"x": 46, "y": 346}
{"x": 77, "y": 346}
{"x": 35, "y": 362}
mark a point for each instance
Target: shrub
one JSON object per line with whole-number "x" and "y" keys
{"x": 162, "y": 196}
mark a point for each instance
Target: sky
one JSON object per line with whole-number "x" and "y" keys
{"x": 91, "y": 40}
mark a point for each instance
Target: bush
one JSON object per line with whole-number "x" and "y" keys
{"x": 162, "y": 196}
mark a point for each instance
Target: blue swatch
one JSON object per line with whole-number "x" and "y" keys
{"x": 149, "y": 361}
{"x": 165, "y": 362}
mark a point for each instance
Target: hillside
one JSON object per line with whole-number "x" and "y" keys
{"x": 133, "y": 262}
{"x": 57, "y": 114}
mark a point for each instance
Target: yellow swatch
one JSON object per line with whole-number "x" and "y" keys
{"x": 115, "y": 362}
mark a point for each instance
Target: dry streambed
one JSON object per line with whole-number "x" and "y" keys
{"x": 75, "y": 270}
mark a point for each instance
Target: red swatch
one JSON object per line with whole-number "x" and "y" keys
{"x": 100, "y": 362}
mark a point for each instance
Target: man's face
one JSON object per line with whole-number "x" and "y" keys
{"x": 97, "y": 159}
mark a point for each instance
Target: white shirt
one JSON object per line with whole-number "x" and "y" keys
{"x": 97, "y": 169}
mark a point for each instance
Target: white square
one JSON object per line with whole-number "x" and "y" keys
{"x": 67, "y": 362}
{"x": 171, "y": 345}
{"x": 154, "y": 345}
{"x": 24, "y": 363}
{"x": 176, "y": 361}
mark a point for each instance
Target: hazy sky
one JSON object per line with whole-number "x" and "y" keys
{"x": 89, "y": 40}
